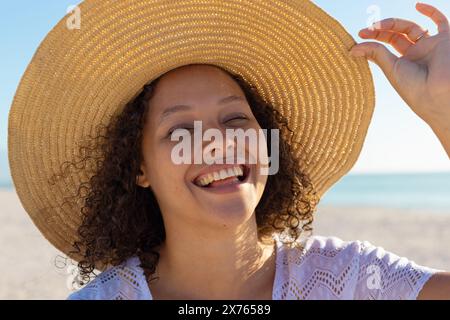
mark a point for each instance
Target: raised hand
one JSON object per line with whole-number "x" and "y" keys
{"x": 421, "y": 75}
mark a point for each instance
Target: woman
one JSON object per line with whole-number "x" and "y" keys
{"x": 164, "y": 230}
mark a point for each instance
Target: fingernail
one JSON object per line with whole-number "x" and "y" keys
{"x": 366, "y": 31}
{"x": 375, "y": 25}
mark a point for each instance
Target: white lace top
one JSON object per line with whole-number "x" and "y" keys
{"x": 324, "y": 268}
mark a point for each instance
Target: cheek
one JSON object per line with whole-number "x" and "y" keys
{"x": 262, "y": 167}
{"x": 165, "y": 179}
{"x": 261, "y": 181}
{"x": 168, "y": 178}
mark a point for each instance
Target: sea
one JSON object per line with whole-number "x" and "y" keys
{"x": 392, "y": 190}
{"x": 389, "y": 190}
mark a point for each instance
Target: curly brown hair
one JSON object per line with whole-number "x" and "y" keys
{"x": 120, "y": 219}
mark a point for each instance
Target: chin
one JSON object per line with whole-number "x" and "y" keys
{"x": 230, "y": 214}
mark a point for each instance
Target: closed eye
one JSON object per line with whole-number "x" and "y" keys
{"x": 182, "y": 127}
{"x": 236, "y": 120}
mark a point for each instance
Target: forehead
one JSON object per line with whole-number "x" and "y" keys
{"x": 193, "y": 84}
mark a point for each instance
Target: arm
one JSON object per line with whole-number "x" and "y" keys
{"x": 443, "y": 133}
{"x": 421, "y": 76}
{"x": 436, "y": 288}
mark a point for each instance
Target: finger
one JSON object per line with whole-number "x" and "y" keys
{"x": 379, "y": 54}
{"x": 411, "y": 29}
{"x": 437, "y": 16}
{"x": 399, "y": 41}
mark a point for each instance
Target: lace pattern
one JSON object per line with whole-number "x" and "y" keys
{"x": 322, "y": 268}
{"x": 123, "y": 282}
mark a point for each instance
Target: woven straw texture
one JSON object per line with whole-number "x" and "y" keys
{"x": 294, "y": 53}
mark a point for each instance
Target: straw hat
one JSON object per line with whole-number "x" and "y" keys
{"x": 294, "y": 53}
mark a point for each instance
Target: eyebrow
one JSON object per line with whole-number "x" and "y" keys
{"x": 183, "y": 107}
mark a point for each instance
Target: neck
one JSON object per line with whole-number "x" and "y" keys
{"x": 207, "y": 264}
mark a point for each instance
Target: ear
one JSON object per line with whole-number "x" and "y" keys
{"x": 141, "y": 178}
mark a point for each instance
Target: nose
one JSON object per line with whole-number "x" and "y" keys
{"x": 216, "y": 150}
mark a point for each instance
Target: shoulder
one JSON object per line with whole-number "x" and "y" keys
{"x": 324, "y": 247}
{"x": 324, "y": 253}
{"x": 318, "y": 267}
{"x": 365, "y": 255}
{"x": 122, "y": 282}
{"x": 331, "y": 268}
{"x": 329, "y": 247}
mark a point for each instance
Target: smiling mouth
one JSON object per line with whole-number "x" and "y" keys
{"x": 230, "y": 176}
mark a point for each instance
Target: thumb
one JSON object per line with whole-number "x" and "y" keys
{"x": 377, "y": 53}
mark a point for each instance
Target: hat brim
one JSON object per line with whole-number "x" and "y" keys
{"x": 294, "y": 53}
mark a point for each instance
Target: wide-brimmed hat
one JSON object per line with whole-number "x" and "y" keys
{"x": 100, "y": 55}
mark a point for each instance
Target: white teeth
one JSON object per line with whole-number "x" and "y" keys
{"x": 223, "y": 174}
{"x": 220, "y": 175}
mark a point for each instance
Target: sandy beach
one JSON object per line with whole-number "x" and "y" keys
{"x": 28, "y": 269}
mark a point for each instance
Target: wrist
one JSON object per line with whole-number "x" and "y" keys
{"x": 442, "y": 131}
{"x": 440, "y": 127}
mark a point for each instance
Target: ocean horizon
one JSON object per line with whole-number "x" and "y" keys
{"x": 428, "y": 190}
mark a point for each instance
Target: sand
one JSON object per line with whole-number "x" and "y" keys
{"x": 28, "y": 269}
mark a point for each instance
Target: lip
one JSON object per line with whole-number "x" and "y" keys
{"x": 232, "y": 187}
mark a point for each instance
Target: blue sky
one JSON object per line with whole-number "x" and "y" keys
{"x": 397, "y": 141}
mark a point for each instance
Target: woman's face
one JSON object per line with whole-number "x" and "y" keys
{"x": 180, "y": 189}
